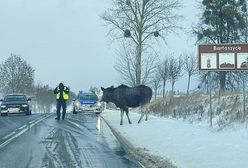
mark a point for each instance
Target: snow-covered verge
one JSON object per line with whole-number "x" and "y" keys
{"x": 227, "y": 110}
{"x": 140, "y": 154}
{"x": 184, "y": 144}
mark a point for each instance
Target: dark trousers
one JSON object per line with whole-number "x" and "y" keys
{"x": 61, "y": 103}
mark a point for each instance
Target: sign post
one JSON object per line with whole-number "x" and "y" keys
{"x": 210, "y": 98}
{"x": 223, "y": 57}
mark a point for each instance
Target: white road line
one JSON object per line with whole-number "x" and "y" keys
{"x": 20, "y": 133}
{"x": 22, "y": 127}
{"x": 38, "y": 119}
{"x": 74, "y": 123}
{"x": 31, "y": 122}
{"x": 9, "y": 135}
{"x": 31, "y": 125}
{"x": 12, "y": 138}
{"x": 5, "y": 143}
{"x": 141, "y": 165}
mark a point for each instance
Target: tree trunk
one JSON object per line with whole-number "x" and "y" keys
{"x": 164, "y": 89}
{"x": 138, "y": 55}
{"x": 188, "y": 85}
{"x": 172, "y": 89}
{"x": 138, "y": 65}
{"x": 222, "y": 77}
{"x": 155, "y": 94}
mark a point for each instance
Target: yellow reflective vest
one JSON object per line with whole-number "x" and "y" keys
{"x": 65, "y": 95}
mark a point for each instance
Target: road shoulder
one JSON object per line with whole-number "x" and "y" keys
{"x": 149, "y": 160}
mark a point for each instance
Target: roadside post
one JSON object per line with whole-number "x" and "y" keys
{"x": 223, "y": 57}
{"x": 210, "y": 98}
{"x": 244, "y": 98}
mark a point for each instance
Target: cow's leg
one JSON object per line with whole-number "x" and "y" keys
{"x": 146, "y": 116}
{"x": 146, "y": 112}
{"x": 122, "y": 113}
{"x": 142, "y": 114}
{"x": 127, "y": 114}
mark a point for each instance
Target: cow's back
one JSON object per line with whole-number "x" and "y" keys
{"x": 135, "y": 96}
{"x": 119, "y": 96}
{"x": 145, "y": 94}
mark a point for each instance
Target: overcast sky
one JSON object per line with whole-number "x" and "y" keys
{"x": 65, "y": 40}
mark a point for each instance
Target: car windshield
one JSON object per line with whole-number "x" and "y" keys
{"x": 88, "y": 97}
{"x": 15, "y": 98}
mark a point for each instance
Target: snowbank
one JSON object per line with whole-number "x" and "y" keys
{"x": 185, "y": 145}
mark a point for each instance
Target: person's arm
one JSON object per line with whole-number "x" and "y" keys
{"x": 56, "y": 90}
{"x": 66, "y": 90}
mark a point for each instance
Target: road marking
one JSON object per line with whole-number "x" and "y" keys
{"x": 141, "y": 165}
{"x": 22, "y": 127}
{"x": 74, "y": 123}
{"x": 5, "y": 143}
{"x": 9, "y": 135}
{"x": 31, "y": 122}
{"x": 37, "y": 121}
{"x": 10, "y": 139}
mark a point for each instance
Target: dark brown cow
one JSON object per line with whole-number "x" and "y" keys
{"x": 124, "y": 97}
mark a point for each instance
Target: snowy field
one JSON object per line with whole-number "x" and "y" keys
{"x": 185, "y": 145}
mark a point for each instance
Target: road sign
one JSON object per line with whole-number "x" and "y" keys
{"x": 223, "y": 57}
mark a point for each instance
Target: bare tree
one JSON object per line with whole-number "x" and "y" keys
{"x": 139, "y": 20}
{"x": 175, "y": 72}
{"x": 44, "y": 98}
{"x": 232, "y": 83}
{"x": 163, "y": 70}
{"x": 156, "y": 81}
{"x": 125, "y": 65}
{"x": 190, "y": 66}
{"x": 16, "y": 75}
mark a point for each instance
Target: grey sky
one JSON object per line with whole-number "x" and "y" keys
{"x": 65, "y": 40}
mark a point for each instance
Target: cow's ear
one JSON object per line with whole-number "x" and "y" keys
{"x": 102, "y": 88}
{"x": 112, "y": 87}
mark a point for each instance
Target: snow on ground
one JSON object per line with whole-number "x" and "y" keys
{"x": 186, "y": 145}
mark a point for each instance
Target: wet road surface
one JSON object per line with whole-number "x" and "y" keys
{"x": 71, "y": 143}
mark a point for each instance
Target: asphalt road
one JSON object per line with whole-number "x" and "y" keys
{"x": 39, "y": 141}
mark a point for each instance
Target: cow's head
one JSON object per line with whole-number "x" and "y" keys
{"x": 107, "y": 94}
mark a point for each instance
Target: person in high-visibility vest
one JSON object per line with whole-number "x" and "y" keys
{"x": 62, "y": 95}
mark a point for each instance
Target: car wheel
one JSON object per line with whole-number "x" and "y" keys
{"x": 27, "y": 113}
{"x": 74, "y": 111}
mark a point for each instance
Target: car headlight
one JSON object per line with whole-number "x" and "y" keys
{"x": 24, "y": 105}
{"x": 98, "y": 104}
{"x": 3, "y": 106}
{"x": 77, "y": 103}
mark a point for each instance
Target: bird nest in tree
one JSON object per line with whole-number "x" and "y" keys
{"x": 156, "y": 33}
{"x": 128, "y": 2}
{"x": 127, "y": 33}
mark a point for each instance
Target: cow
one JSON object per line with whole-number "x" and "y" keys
{"x": 125, "y": 97}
